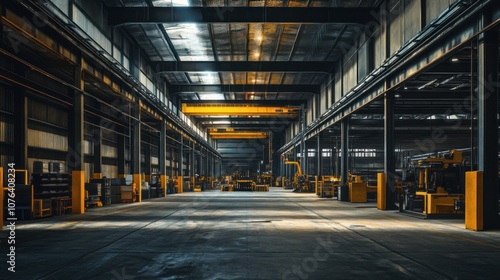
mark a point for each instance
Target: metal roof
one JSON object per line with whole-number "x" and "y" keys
{"x": 242, "y": 50}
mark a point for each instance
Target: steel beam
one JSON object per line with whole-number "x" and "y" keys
{"x": 243, "y": 66}
{"x": 314, "y": 89}
{"x": 158, "y": 15}
{"x": 239, "y": 135}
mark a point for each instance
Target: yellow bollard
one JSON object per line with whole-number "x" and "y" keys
{"x": 138, "y": 184}
{"x": 381, "y": 191}
{"x": 474, "y": 200}
{"x": 163, "y": 184}
{"x": 78, "y": 192}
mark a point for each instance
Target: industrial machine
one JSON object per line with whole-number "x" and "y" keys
{"x": 438, "y": 187}
{"x": 200, "y": 183}
{"x": 328, "y": 186}
{"x": 300, "y": 181}
{"x": 244, "y": 184}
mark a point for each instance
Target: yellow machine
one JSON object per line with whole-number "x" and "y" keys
{"x": 328, "y": 186}
{"x": 439, "y": 189}
{"x": 300, "y": 180}
{"x": 244, "y": 184}
{"x": 265, "y": 179}
{"x": 201, "y": 183}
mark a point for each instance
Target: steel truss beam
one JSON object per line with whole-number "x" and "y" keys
{"x": 243, "y": 66}
{"x": 314, "y": 89}
{"x": 159, "y": 15}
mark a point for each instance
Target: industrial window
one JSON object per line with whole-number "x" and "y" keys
{"x": 363, "y": 153}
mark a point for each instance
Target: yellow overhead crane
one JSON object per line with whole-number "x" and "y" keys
{"x": 217, "y": 109}
{"x": 238, "y": 134}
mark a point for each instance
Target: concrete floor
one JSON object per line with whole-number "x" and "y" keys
{"x": 244, "y": 235}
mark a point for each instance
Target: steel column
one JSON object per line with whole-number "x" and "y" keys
{"x": 136, "y": 150}
{"x": 75, "y": 155}
{"x": 180, "y": 169}
{"x": 121, "y": 152}
{"x": 136, "y": 140}
{"x": 389, "y": 150}
{"x": 21, "y": 131}
{"x": 487, "y": 101}
{"x": 76, "y": 134}
{"x": 192, "y": 162}
{"x": 319, "y": 167}
{"x": 147, "y": 159}
{"x": 97, "y": 143}
{"x": 302, "y": 147}
{"x": 162, "y": 157}
{"x": 344, "y": 160}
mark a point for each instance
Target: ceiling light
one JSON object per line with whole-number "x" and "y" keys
{"x": 460, "y": 86}
{"x": 454, "y": 59}
{"x": 257, "y": 54}
{"x": 259, "y": 38}
{"x": 427, "y": 84}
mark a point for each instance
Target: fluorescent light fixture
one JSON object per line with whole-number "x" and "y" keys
{"x": 460, "y": 86}
{"x": 221, "y": 122}
{"x": 454, "y": 59}
{"x": 427, "y": 84}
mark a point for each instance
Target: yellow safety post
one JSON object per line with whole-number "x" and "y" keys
{"x": 316, "y": 189}
{"x": 381, "y": 191}
{"x": 78, "y": 192}
{"x": 138, "y": 185}
{"x": 1, "y": 198}
{"x": 474, "y": 200}
{"x": 163, "y": 184}
{"x": 97, "y": 176}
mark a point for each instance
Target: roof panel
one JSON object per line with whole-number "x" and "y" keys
{"x": 287, "y": 41}
{"x": 204, "y": 77}
{"x": 191, "y": 41}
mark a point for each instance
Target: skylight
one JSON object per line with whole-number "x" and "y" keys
{"x": 191, "y": 42}
{"x": 211, "y": 96}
